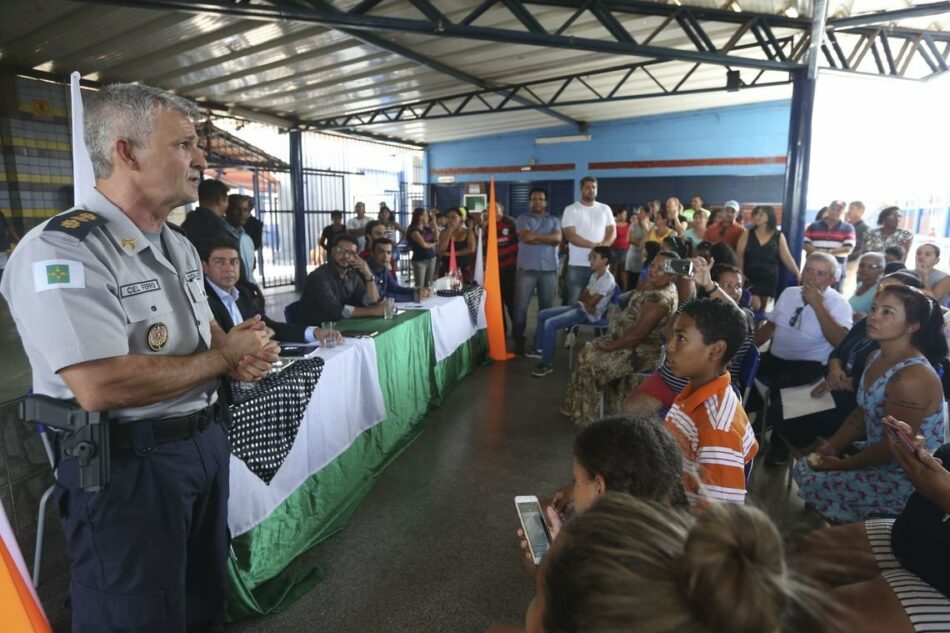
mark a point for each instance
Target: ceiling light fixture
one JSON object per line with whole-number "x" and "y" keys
{"x": 791, "y": 10}
{"x": 569, "y": 138}
{"x": 732, "y": 5}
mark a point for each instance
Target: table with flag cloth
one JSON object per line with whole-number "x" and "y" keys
{"x": 341, "y": 418}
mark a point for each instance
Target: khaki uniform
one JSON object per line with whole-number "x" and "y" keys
{"x": 85, "y": 286}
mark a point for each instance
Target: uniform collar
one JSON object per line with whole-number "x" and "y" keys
{"x": 122, "y": 229}
{"x": 128, "y": 236}
{"x": 691, "y": 398}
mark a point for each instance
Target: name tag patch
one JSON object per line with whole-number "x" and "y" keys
{"x": 192, "y": 275}
{"x": 53, "y": 274}
{"x": 130, "y": 290}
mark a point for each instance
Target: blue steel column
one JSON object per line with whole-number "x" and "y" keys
{"x": 797, "y": 162}
{"x": 795, "y": 202}
{"x": 297, "y": 200}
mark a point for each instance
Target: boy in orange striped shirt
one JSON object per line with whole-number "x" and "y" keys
{"x": 707, "y": 418}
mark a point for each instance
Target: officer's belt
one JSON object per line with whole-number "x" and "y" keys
{"x": 162, "y": 431}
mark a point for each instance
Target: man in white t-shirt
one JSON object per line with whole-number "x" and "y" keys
{"x": 356, "y": 227}
{"x": 585, "y": 224}
{"x": 806, "y": 324}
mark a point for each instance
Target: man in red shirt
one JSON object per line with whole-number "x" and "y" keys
{"x": 728, "y": 229}
{"x": 507, "y": 255}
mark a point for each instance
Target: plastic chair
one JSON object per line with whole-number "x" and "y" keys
{"x": 292, "y": 311}
{"x": 598, "y": 327}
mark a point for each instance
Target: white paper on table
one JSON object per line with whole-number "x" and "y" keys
{"x": 798, "y": 401}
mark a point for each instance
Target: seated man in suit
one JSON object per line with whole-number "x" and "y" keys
{"x": 341, "y": 288}
{"x": 386, "y": 282}
{"x": 232, "y": 304}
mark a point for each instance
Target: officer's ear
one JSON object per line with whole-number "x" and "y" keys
{"x": 125, "y": 152}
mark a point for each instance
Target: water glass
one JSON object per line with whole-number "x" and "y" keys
{"x": 389, "y": 309}
{"x": 330, "y": 341}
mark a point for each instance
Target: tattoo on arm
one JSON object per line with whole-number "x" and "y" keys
{"x": 911, "y": 404}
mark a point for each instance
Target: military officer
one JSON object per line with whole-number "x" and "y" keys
{"x": 109, "y": 302}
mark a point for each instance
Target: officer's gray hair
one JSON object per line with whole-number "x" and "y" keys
{"x": 827, "y": 258}
{"x": 125, "y": 111}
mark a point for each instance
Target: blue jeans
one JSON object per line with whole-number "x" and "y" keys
{"x": 526, "y": 281}
{"x": 576, "y": 279}
{"x": 552, "y": 320}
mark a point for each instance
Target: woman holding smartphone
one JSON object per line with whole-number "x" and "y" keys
{"x": 891, "y": 575}
{"x": 899, "y": 381}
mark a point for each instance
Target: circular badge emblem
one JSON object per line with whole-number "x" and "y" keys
{"x": 157, "y": 337}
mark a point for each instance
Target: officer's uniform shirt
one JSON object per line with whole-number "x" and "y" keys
{"x": 86, "y": 286}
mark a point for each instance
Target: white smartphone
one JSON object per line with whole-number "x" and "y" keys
{"x": 535, "y": 529}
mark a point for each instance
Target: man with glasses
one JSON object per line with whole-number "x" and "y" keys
{"x": 341, "y": 288}
{"x": 806, "y": 324}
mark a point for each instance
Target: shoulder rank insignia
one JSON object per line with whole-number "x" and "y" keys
{"x": 76, "y": 223}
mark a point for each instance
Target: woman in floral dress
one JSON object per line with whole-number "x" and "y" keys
{"x": 899, "y": 382}
{"x": 888, "y": 233}
{"x": 632, "y": 344}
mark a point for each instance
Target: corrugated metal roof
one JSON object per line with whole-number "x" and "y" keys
{"x": 304, "y": 72}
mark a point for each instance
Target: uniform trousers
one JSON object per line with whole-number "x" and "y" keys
{"x": 149, "y": 553}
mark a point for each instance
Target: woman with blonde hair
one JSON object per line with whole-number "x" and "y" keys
{"x": 633, "y": 565}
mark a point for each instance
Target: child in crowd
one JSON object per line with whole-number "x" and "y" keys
{"x": 629, "y": 454}
{"x": 894, "y": 254}
{"x": 590, "y": 308}
{"x": 633, "y": 456}
{"x": 707, "y": 417}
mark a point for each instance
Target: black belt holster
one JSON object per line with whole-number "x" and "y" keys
{"x": 84, "y": 435}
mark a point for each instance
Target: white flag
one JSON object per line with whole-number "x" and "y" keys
{"x": 479, "y": 264}
{"x": 84, "y": 181}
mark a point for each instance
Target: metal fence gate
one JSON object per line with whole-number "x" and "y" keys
{"x": 324, "y": 192}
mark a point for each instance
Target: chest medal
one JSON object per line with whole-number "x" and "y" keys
{"x": 157, "y": 337}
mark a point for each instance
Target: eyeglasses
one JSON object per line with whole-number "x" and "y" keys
{"x": 345, "y": 251}
{"x": 796, "y": 319}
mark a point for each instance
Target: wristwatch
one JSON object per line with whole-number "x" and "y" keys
{"x": 715, "y": 287}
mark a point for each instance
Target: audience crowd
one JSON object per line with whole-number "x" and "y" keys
{"x": 708, "y": 343}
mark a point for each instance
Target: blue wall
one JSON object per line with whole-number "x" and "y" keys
{"x": 758, "y": 130}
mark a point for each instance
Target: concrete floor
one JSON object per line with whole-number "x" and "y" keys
{"x": 432, "y": 548}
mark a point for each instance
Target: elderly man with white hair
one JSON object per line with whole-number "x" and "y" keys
{"x": 806, "y": 324}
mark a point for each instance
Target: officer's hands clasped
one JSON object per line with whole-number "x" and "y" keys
{"x": 249, "y": 350}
